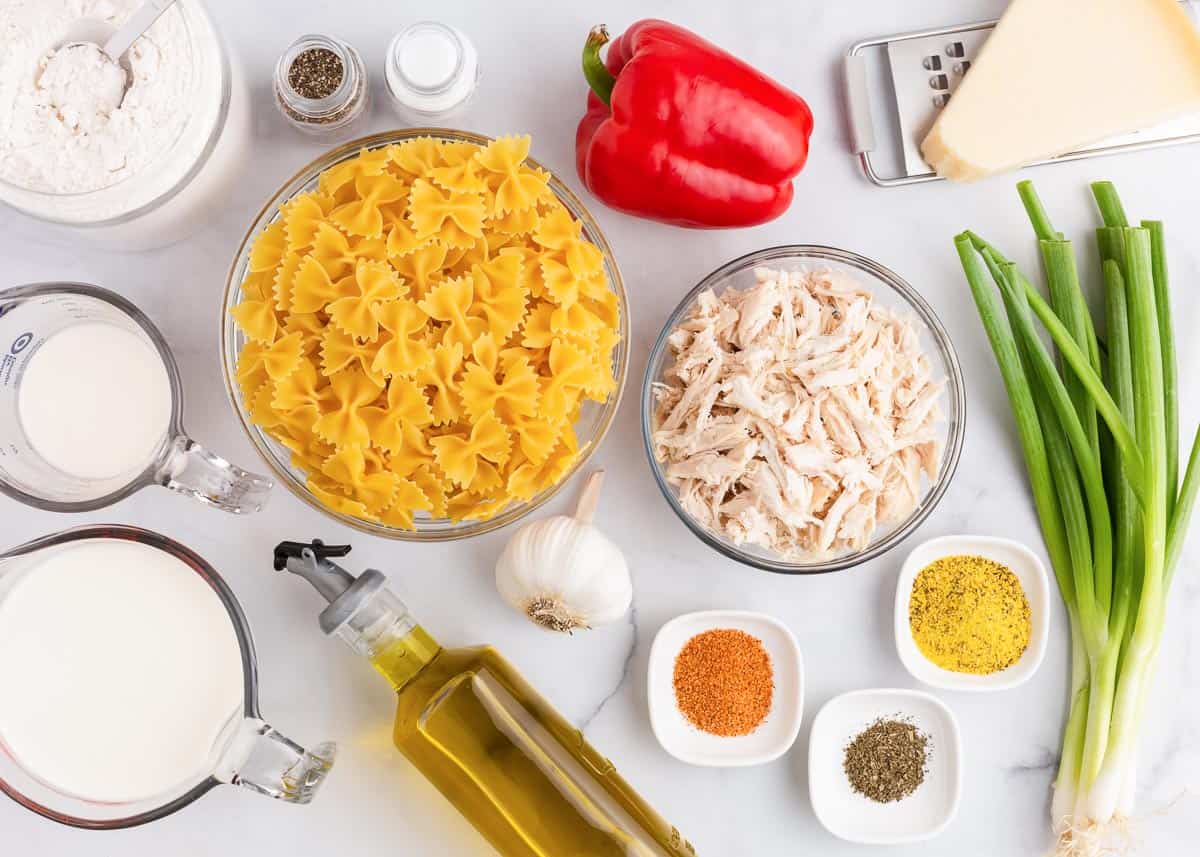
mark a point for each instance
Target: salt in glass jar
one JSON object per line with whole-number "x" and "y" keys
{"x": 431, "y": 69}
{"x": 324, "y": 105}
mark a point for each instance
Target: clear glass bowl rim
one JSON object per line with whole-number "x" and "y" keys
{"x": 956, "y": 417}
{"x": 229, "y": 341}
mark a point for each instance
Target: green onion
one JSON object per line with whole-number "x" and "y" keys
{"x": 1037, "y": 213}
{"x": 1100, "y": 438}
{"x": 1183, "y": 507}
{"x": 1111, "y": 210}
{"x": 1077, "y": 478}
{"x": 1125, "y": 511}
{"x": 1166, "y": 339}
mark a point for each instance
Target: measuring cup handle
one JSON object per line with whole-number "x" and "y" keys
{"x": 272, "y": 764}
{"x": 192, "y": 470}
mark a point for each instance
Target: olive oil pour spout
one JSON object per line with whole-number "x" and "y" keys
{"x": 352, "y": 600}
{"x": 362, "y": 611}
{"x": 310, "y": 562}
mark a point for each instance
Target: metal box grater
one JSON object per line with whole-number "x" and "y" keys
{"x": 896, "y": 85}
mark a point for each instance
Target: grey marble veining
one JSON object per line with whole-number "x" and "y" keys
{"x": 314, "y": 689}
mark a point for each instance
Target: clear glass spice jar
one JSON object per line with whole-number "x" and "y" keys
{"x": 431, "y": 69}
{"x": 321, "y": 85}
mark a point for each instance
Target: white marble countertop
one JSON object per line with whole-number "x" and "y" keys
{"x": 315, "y": 689}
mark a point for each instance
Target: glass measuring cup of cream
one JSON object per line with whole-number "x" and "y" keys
{"x": 130, "y": 683}
{"x": 91, "y": 407}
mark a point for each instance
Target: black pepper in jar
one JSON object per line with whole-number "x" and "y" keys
{"x": 321, "y": 84}
{"x": 316, "y": 73}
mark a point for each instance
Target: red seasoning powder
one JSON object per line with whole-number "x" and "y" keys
{"x": 723, "y": 682}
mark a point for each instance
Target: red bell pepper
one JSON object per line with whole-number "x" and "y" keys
{"x": 680, "y": 131}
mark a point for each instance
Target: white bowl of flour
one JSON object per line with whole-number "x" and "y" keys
{"x": 135, "y": 173}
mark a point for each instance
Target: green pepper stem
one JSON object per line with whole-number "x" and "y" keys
{"x": 599, "y": 78}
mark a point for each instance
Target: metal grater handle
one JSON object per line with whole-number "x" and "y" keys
{"x": 858, "y": 101}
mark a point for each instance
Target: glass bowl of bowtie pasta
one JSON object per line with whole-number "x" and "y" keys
{"x": 425, "y": 333}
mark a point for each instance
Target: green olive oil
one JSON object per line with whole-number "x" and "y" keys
{"x": 520, "y": 773}
{"x": 509, "y": 762}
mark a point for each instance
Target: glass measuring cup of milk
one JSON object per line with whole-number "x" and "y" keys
{"x": 91, "y": 407}
{"x": 130, "y": 684}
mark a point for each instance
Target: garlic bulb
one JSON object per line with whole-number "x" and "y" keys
{"x": 562, "y": 572}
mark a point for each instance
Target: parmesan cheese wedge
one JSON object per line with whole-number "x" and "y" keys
{"x": 1056, "y": 75}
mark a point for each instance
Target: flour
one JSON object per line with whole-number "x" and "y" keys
{"x": 63, "y": 131}
{"x": 83, "y": 85}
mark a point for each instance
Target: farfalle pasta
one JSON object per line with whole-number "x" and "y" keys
{"x": 422, "y": 330}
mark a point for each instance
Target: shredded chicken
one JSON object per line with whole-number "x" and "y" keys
{"x": 798, "y": 416}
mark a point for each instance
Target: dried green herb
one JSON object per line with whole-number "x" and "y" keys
{"x": 316, "y": 73}
{"x": 887, "y": 761}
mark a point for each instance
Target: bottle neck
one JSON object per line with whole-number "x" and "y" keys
{"x": 404, "y": 657}
{"x": 362, "y": 611}
{"x": 381, "y": 629}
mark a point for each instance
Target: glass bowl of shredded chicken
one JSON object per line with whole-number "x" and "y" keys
{"x": 803, "y": 409}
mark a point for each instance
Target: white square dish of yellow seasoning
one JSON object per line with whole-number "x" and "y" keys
{"x": 1031, "y": 573}
{"x": 778, "y": 730}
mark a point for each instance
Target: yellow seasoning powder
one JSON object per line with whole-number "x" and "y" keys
{"x": 969, "y": 614}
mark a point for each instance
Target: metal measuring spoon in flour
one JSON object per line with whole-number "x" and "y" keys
{"x": 89, "y": 74}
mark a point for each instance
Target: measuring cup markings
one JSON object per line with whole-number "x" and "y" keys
{"x": 33, "y": 316}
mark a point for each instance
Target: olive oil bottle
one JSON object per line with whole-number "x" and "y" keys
{"x": 520, "y": 773}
